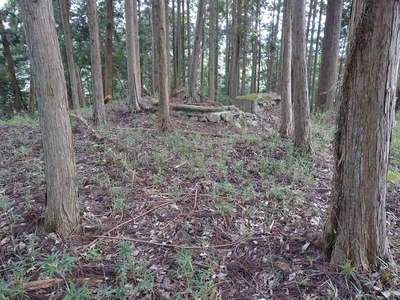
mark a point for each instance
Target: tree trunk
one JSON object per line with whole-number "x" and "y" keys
{"x": 32, "y": 97}
{"x": 356, "y": 227}
{"x": 286, "y": 73}
{"x": 212, "y": 50}
{"x": 315, "y": 61}
{"x": 196, "y": 51}
{"x": 108, "y": 68}
{"x": 99, "y": 114}
{"x": 244, "y": 48}
{"x": 328, "y": 75}
{"x": 302, "y": 119}
{"x": 163, "y": 69}
{"x": 62, "y": 214}
{"x": 11, "y": 69}
{"x": 70, "y": 53}
{"x": 133, "y": 64}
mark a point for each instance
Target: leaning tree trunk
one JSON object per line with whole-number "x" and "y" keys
{"x": 70, "y": 53}
{"x": 62, "y": 214}
{"x": 356, "y": 227}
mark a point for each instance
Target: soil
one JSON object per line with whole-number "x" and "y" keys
{"x": 279, "y": 258}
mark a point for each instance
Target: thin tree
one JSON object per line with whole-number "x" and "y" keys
{"x": 328, "y": 75}
{"x": 11, "y": 68}
{"x": 356, "y": 226}
{"x": 302, "y": 119}
{"x": 62, "y": 214}
{"x": 286, "y": 127}
{"x": 108, "y": 67}
{"x": 133, "y": 61}
{"x": 194, "y": 64}
{"x": 244, "y": 47}
{"x": 99, "y": 114}
{"x": 70, "y": 54}
{"x": 162, "y": 63}
{"x": 212, "y": 50}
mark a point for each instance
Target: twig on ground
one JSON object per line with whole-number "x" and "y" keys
{"x": 168, "y": 245}
{"x": 126, "y": 222}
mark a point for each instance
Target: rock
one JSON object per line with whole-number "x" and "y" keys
{"x": 214, "y": 117}
{"x": 227, "y": 117}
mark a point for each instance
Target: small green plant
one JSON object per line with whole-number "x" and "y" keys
{"x": 347, "y": 269}
{"x": 93, "y": 254}
{"x": 8, "y": 290}
{"x": 58, "y": 263}
{"x": 77, "y": 294}
{"x": 198, "y": 281}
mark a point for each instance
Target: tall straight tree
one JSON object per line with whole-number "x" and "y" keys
{"x": 62, "y": 214}
{"x": 108, "y": 67}
{"x": 132, "y": 49}
{"x": 356, "y": 227}
{"x": 160, "y": 27}
{"x": 194, "y": 65}
{"x": 11, "y": 68}
{"x": 329, "y": 57}
{"x": 244, "y": 47}
{"x": 99, "y": 113}
{"x": 286, "y": 127}
{"x": 212, "y": 50}
{"x": 70, "y": 53}
{"x": 302, "y": 119}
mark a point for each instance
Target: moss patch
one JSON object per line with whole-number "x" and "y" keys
{"x": 251, "y": 97}
{"x": 394, "y": 177}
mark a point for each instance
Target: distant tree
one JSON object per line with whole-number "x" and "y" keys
{"x": 194, "y": 64}
{"x": 212, "y": 50}
{"x": 99, "y": 114}
{"x": 286, "y": 127}
{"x": 302, "y": 119}
{"x": 108, "y": 67}
{"x": 11, "y": 68}
{"x": 355, "y": 230}
{"x": 244, "y": 46}
{"x": 162, "y": 63}
{"x": 328, "y": 75}
{"x": 62, "y": 214}
{"x": 69, "y": 52}
{"x": 272, "y": 43}
{"x": 133, "y": 58}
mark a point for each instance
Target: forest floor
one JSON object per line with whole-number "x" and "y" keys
{"x": 208, "y": 211}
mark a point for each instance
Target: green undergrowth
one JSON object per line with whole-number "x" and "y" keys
{"x": 248, "y": 178}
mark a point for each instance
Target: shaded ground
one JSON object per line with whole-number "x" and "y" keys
{"x": 207, "y": 212}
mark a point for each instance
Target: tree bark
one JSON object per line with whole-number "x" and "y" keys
{"x": 302, "y": 119}
{"x": 99, "y": 113}
{"x": 70, "y": 53}
{"x": 11, "y": 68}
{"x": 108, "y": 68}
{"x": 163, "y": 68}
{"x": 196, "y": 51}
{"x": 62, "y": 214}
{"x": 213, "y": 40}
{"x": 356, "y": 227}
{"x": 133, "y": 64}
{"x": 328, "y": 74}
{"x": 286, "y": 127}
